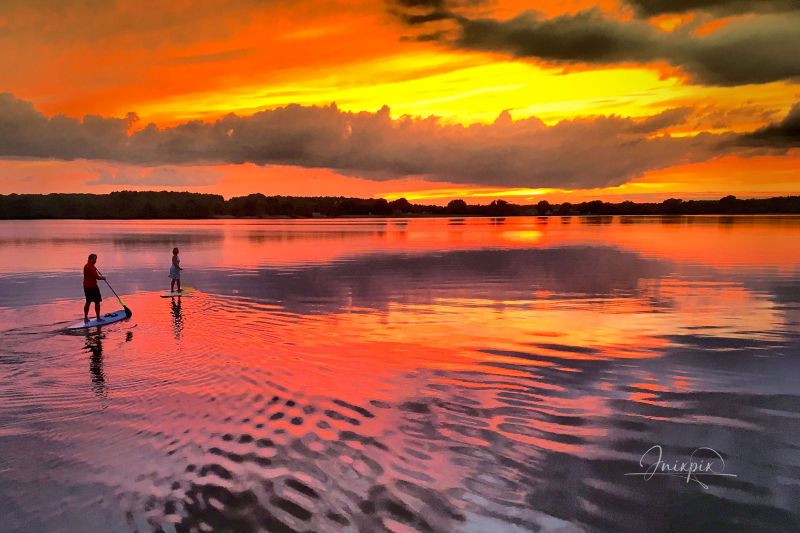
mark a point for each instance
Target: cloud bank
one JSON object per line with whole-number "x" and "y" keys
{"x": 753, "y": 49}
{"x": 648, "y": 8}
{"x": 579, "y": 153}
{"x": 781, "y": 136}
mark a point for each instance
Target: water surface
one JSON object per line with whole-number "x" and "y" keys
{"x": 402, "y": 375}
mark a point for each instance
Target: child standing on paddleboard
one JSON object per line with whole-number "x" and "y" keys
{"x": 90, "y": 288}
{"x": 175, "y": 271}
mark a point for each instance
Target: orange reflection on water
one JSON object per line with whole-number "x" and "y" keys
{"x": 316, "y": 356}
{"x": 440, "y": 354}
{"x": 720, "y": 242}
{"x": 440, "y": 329}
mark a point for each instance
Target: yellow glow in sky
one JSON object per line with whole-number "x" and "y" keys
{"x": 457, "y": 87}
{"x": 180, "y": 61}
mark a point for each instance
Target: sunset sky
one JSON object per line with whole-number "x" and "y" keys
{"x": 425, "y": 99}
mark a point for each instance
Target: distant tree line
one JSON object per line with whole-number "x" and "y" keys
{"x": 166, "y": 205}
{"x": 117, "y": 205}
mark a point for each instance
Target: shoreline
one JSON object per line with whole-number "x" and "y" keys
{"x": 167, "y": 205}
{"x": 417, "y": 216}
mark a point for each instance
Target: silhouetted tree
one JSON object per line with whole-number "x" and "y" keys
{"x": 673, "y": 206}
{"x": 169, "y": 204}
{"x": 401, "y": 205}
{"x": 728, "y": 204}
{"x": 457, "y": 207}
{"x": 543, "y": 207}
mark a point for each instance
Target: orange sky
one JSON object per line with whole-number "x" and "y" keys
{"x": 203, "y": 60}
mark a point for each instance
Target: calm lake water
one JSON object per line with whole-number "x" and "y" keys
{"x": 403, "y": 375}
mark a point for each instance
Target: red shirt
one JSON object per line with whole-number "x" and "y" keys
{"x": 90, "y": 276}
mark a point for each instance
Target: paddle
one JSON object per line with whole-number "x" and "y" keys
{"x": 128, "y": 312}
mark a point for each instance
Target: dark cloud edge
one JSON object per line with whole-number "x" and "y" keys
{"x": 583, "y": 152}
{"x": 759, "y": 43}
{"x": 651, "y": 8}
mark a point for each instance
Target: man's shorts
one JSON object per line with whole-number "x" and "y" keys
{"x": 92, "y": 294}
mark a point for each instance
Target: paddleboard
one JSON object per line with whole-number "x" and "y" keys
{"x": 108, "y": 318}
{"x": 170, "y": 294}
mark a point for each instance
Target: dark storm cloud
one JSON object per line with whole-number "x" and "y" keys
{"x": 584, "y": 37}
{"x": 581, "y": 153}
{"x": 783, "y": 135}
{"x": 650, "y": 8}
{"x": 757, "y": 49}
{"x": 752, "y": 50}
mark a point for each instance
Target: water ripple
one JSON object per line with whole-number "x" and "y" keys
{"x": 493, "y": 386}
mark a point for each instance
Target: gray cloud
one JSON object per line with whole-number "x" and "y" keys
{"x": 578, "y": 153}
{"x": 422, "y": 11}
{"x": 584, "y": 37}
{"x": 665, "y": 119}
{"x": 159, "y": 176}
{"x": 24, "y": 132}
{"x": 650, "y": 8}
{"x": 432, "y": 12}
{"x": 783, "y": 135}
{"x": 750, "y": 50}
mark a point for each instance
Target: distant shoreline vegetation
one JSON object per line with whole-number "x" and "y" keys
{"x": 182, "y": 205}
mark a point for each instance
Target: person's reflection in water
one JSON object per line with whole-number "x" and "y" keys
{"x": 94, "y": 345}
{"x": 177, "y": 318}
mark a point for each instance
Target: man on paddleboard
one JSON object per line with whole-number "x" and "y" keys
{"x": 90, "y": 288}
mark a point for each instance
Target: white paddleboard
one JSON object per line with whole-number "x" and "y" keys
{"x": 108, "y": 318}
{"x": 170, "y": 294}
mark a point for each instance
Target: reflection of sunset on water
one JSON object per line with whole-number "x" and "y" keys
{"x": 431, "y": 365}
{"x": 428, "y": 371}
{"x": 740, "y": 241}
